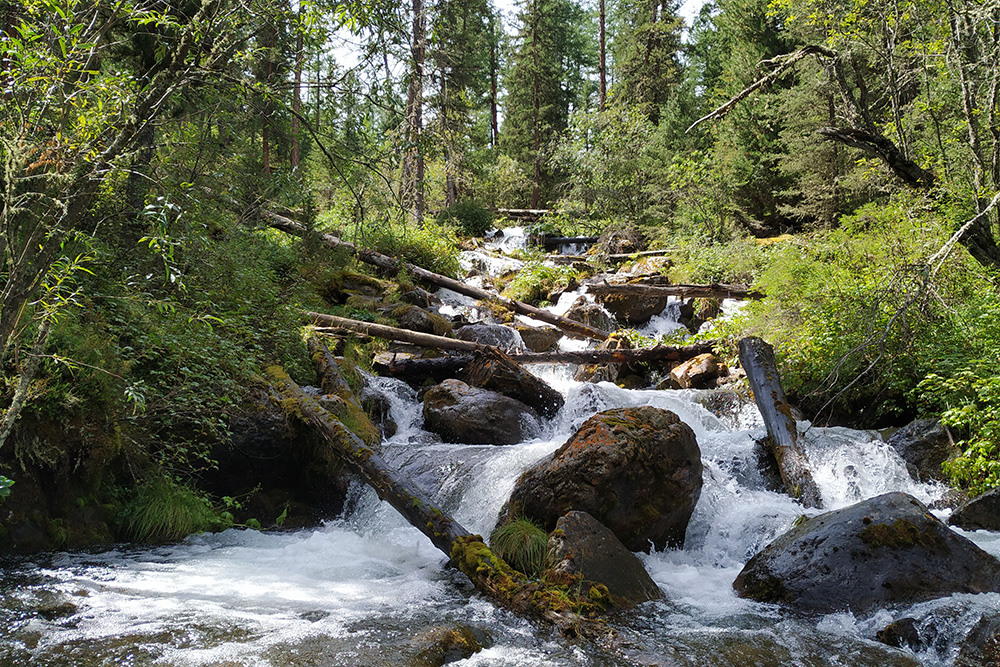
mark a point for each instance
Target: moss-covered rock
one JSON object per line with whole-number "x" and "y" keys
{"x": 882, "y": 551}
{"x": 636, "y": 470}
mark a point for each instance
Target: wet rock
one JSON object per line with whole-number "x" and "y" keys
{"x": 981, "y": 647}
{"x": 345, "y": 284}
{"x": 444, "y": 644}
{"x": 378, "y": 408}
{"x": 539, "y": 339}
{"x": 980, "y": 513}
{"x": 417, "y": 319}
{"x": 460, "y": 413}
{"x": 493, "y": 370}
{"x": 883, "y": 551}
{"x": 419, "y": 297}
{"x": 699, "y": 372}
{"x": 592, "y": 315}
{"x": 924, "y": 444}
{"x": 636, "y": 470}
{"x": 633, "y": 309}
{"x": 902, "y": 633}
{"x": 604, "y": 372}
{"x": 582, "y": 544}
{"x": 496, "y": 335}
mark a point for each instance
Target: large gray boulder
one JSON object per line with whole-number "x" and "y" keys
{"x": 882, "y": 551}
{"x": 924, "y": 444}
{"x": 496, "y": 335}
{"x": 980, "y": 513}
{"x": 636, "y": 470}
{"x": 460, "y": 413}
{"x": 581, "y": 544}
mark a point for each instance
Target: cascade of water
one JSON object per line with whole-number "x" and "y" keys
{"x": 358, "y": 589}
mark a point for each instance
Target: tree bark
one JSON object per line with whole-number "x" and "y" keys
{"x": 602, "y": 58}
{"x": 392, "y": 333}
{"x": 712, "y": 291}
{"x": 417, "y": 370}
{"x": 393, "y": 265}
{"x": 757, "y": 359}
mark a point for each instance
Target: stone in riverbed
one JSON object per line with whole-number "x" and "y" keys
{"x": 539, "y": 339}
{"x": 882, "y": 551}
{"x": 981, "y": 647}
{"x": 582, "y": 544}
{"x": 980, "y": 513}
{"x": 698, "y": 372}
{"x": 636, "y": 470}
{"x": 464, "y": 414}
{"x": 497, "y": 335}
{"x": 924, "y": 444}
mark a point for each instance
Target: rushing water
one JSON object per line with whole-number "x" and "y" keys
{"x": 363, "y": 588}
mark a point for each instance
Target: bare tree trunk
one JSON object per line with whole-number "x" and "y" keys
{"x": 602, "y": 58}
{"x": 293, "y": 156}
{"x": 494, "y": 69}
{"x": 757, "y": 359}
{"x": 27, "y": 376}
{"x": 415, "y": 112}
{"x": 536, "y": 106}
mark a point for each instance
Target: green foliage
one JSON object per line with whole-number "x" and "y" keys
{"x": 5, "y": 487}
{"x": 430, "y": 246}
{"x": 522, "y": 544}
{"x": 166, "y": 510}
{"x": 535, "y": 281}
{"x": 470, "y": 216}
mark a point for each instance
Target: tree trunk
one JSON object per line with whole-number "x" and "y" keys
{"x": 536, "y": 106}
{"x": 711, "y": 291}
{"x": 393, "y": 333}
{"x": 390, "y": 264}
{"x": 418, "y": 370}
{"x": 757, "y": 359}
{"x": 602, "y": 58}
{"x": 491, "y": 576}
{"x": 293, "y": 157}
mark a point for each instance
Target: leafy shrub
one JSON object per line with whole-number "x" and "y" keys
{"x": 430, "y": 246}
{"x": 470, "y": 216}
{"x": 536, "y": 281}
{"x": 522, "y": 544}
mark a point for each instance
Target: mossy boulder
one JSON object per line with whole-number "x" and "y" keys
{"x": 980, "y": 513}
{"x": 636, "y": 470}
{"x": 592, "y": 314}
{"x": 699, "y": 372}
{"x": 345, "y": 284}
{"x": 604, "y": 372}
{"x": 495, "y": 335}
{"x": 414, "y": 318}
{"x": 883, "y": 551}
{"x": 447, "y": 643}
{"x": 633, "y": 309}
{"x": 582, "y": 544}
{"x": 464, "y": 414}
{"x": 538, "y": 339}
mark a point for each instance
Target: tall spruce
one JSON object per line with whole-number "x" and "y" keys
{"x": 545, "y": 83}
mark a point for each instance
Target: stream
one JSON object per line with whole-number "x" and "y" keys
{"x": 360, "y": 589}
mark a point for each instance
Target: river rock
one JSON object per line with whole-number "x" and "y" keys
{"x": 902, "y": 633}
{"x": 582, "y": 544}
{"x": 604, "y": 372}
{"x": 636, "y": 470}
{"x": 698, "y": 372}
{"x": 980, "y": 513}
{"x": 592, "y": 315}
{"x": 414, "y": 318}
{"x": 496, "y": 335}
{"x": 981, "y": 647}
{"x": 633, "y": 309}
{"x": 880, "y": 552}
{"x": 447, "y": 643}
{"x": 924, "y": 444}
{"x": 460, "y": 413}
{"x": 539, "y": 339}
{"x": 494, "y": 370}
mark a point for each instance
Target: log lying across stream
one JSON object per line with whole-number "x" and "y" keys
{"x": 757, "y": 359}
{"x": 711, "y": 291}
{"x": 491, "y": 575}
{"x": 393, "y": 265}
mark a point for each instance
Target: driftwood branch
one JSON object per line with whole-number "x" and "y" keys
{"x": 332, "y": 323}
{"x": 757, "y": 359}
{"x": 713, "y": 291}
{"x": 392, "y": 265}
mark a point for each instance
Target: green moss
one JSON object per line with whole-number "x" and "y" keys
{"x": 901, "y": 534}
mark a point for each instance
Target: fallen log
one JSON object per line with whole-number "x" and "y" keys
{"x": 560, "y": 602}
{"x": 710, "y": 291}
{"x": 556, "y": 241}
{"x": 757, "y": 359}
{"x": 332, "y": 323}
{"x": 393, "y": 265}
{"x": 417, "y": 370}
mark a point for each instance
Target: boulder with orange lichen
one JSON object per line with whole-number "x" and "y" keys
{"x": 636, "y": 470}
